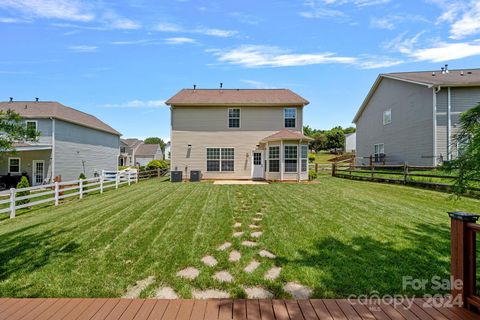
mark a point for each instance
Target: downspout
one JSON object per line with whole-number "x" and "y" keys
{"x": 299, "y": 160}
{"x": 435, "y": 151}
{"x": 449, "y": 125}
{"x": 281, "y": 160}
{"x": 53, "y": 148}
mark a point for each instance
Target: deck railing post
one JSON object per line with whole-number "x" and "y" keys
{"x": 80, "y": 189}
{"x": 56, "y": 193}
{"x": 463, "y": 261}
{"x": 13, "y": 192}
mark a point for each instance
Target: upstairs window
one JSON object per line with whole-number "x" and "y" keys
{"x": 387, "y": 117}
{"x": 234, "y": 118}
{"x": 290, "y": 117}
{"x": 290, "y": 154}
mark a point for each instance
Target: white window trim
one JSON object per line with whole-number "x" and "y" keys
{"x": 279, "y": 158}
{"x": 19, "y": 165}
{"x": 284, "y": 158}
{"x": 284, "y": 118}
{"x": 239, "y": 119}
{"x": 301, "y": 158}
{"x": 220, "y": 159}
{"x": 35, "y": 121}
{"x": 379, "y": 144}
{"x": 384, "y": 112}
{"x": 34, "y": 162}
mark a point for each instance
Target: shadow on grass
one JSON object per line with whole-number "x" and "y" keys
{"x": 364, "y": 265}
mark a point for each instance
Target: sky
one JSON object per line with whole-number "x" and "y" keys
{"x": 120, "y": 60}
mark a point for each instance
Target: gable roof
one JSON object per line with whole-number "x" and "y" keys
{"x": 430, "y": 79}
{"x": 286, "y": 134}
{"x": 132, "y": 142}
{"x": 237, "y": 97}
{"x": 52, "y": 109}
{"x": 147, "y": 149}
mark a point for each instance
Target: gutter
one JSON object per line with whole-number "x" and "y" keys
{"x": 53, "y": 148}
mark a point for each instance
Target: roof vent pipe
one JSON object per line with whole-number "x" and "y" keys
{"x": 194, "y": 87}
{"x": 446, "y": 69}
{"x": 433, "y": 74}
{"x": 11, "y": 99}
{"x": 461, "y": 73}
{"x": 221, "y": 85}
{"x": 36, "y": 99}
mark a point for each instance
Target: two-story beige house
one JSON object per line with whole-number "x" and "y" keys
{"x": 239, "y": 134}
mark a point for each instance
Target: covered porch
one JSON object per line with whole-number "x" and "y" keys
{"x": 282, "y": 156}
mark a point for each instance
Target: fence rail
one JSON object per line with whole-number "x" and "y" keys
{"x": 14, "y": 199}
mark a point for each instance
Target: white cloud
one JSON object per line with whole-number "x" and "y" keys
{"x": 171, "y": 27}
{"x": 331, "y": 8}
{"x": 179, "y": 40}
{"x": 83, "y": 48}
{"x": 114, "y": 21}
{"x": 246, "y": 18}
{"x": 138, "y": 104}
{"x": 258, "y": 84}
{"x": 58, "y": 9}
{"x": 167, "y": 27}
{"x": 215, "y": 32}
{"x": 463, "y": 17}
{"x": 382, "y": 23}
{"x": 10, "y": 20}
{"x": 377, "y": 62}
{"x": 130, "y": 42}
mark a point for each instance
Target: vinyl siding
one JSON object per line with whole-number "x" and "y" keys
{"x": 409, "y": 137}
{"x": 26, "y": 162}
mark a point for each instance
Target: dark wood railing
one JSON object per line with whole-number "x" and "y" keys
{"x": 464, "y": 230}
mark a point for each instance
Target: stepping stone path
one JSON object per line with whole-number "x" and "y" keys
{"x": 252, "y": 266}
{"x": 256, "y": 234}
{"x": 253, "y": 226}
{"x": 237, "y": 225}
{"x": 234, "y": 256}
{"x": 273, "y": 273}
{"x": 135, "y": 290}
{"x": 209, "y": 261}
{"x": 259, "y": 214}
{"x": 224, "y": 246}
{"x": 223, "y": 276}
{"x": 210, "y": 294}
{"x": 249, "y": 244}
{"x": 257, "y": 219}
{"x": 238, "y": 234}
{"x": 297, "y": 291}
{"x": 165, "y": 293}
{"x": 258, "y": 293}
{"x": 267, "y": 254}
{"x": 189, "y": 273}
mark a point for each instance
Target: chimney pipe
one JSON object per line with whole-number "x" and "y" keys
{"x": 446, "y": 68}
{"x": 36, "y": 99}
{"x": 443, "y": 70}
{"x": 11, "y": 99}
{"x": 221, "y": 85}
{"x": 194, "y": 87}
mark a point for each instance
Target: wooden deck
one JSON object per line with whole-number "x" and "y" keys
{"x": 141, "y": 309}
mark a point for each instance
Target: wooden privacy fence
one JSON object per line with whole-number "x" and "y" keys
{"x": 421, "y": 176}
{"x": 464, "y": 230}
{"x": 15, "y": 199}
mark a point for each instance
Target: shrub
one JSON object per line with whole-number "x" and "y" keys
{"x": 23, "y": 183}
{"x": 311, "y": 157}
{"x": 312, "y": 175}
{"x": 158, "y": 164}
{"x": 82, "y": 176}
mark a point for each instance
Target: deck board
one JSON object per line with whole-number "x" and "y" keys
{"x": 225, "y": 309}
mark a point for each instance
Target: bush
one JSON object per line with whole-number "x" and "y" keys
{"x": 311, "y": 157}
{"x": 23, "y": 184}
{"x": 82, "y": 176}
{"x": 158, "y": 164}
{"x": 312, "y": 175}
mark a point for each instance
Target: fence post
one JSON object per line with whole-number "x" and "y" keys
{"x": 372, "y": 169}
{"x": 12, "y": 202}
{"x": 80, "y": 188}
{"x": 334, "y": 169}
{"x": 101, "y": 184}
{"x": 158, "y": 172}
{"x": 405, "y": 173}
{"x": 137, "y": 172}
{"x": 117, "y": 179}
{"x": 463, "y": 260}
{"x": 56, "y": 193}
{"x": 316, "y": 167}
{"x": 128, "y": 176}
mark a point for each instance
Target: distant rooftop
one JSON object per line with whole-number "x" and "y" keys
{"x": 465, "y": 77}
{"x": 240, "y": 97}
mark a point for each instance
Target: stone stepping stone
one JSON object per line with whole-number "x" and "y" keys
{"x": 254, "y": 226}
{"x": 237, "y": 225}
{"x": 252, "y": 266}
{"x": 297, "y": 291}
{"x": 189, "y": 273}
{"x": 267, "y": 254}
{"x": 249, "y": 244}
{"x": 234, "y": 256}
{"x": 210, "y": 294}
{"x": 273, "y": 273}
{"x": 238, "y": 234}
{"x": 256, "y": 234}
{"x": 223, "y": 276}
{"x": 209, "y": 261}
{"x": 224, "y": 246}
{"x": 259, "y": 214}
{"x": 135, "y": 290}
{"x": 257, "y": 219}
{"x": 165, "y": 293}
{"x": 258, "y": 293}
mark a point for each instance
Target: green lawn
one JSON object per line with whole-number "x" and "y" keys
{"x": 322, "y": 157}
{"x": 337, "y": 236}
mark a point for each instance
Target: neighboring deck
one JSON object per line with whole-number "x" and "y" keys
{"x": 140, "y": 309}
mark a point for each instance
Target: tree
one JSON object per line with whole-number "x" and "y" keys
{"x": 319, "y": 142}
{"x": 13, "y": 130}
{"x": 155, "y": 140}
{"x": 335, "y": 138}
{"x": 308, "y": 131}
{"x": 467, "y": 165}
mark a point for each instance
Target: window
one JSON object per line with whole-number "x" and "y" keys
{"x": 387, "y": 116}
{"x": 13, "y": 165}
{"x": 220, "y": 159}
{"x": 290, "y": 154}
{"x": 274, "y": 159}
{"x": 257, "y": 159}
{"x": 462, "y": 146}
{"x": 304, "y": 155}
{"x": 379, "y": 152}
{"x": 31, "y": 124}
{"x": 234, "y": 118}
{"x": 290, "y": 117}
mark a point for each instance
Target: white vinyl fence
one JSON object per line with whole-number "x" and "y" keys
{"x": 11, "y": 200}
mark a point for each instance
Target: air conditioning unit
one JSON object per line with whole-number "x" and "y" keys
{"x": 195, "y": 175}
{"x": 176, "y": 176}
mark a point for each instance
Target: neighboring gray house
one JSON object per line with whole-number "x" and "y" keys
{"x": 134, "y": 152}
{"x": 127, "y": 151}
{"x": 350, "y": 142}
{"x": 413, "y": 116}
{"x": 146, "y": 153}
{"x": 168, "y": 146}
{"x": 71, "y": 142}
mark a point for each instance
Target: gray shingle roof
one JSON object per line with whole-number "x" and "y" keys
{"x": 147, "y": 149}
{"x": 466, "y": 77}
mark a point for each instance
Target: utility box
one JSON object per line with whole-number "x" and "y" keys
{"x": 195, "y": 175}
{"x": 176, "y": 176}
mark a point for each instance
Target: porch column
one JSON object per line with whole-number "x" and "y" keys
{"x": 281, "y": 160}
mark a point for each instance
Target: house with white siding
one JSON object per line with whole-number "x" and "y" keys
{"x": 71, "y": 142}
{"x": 239, "y": 134}
{"x": 413, "y": 116}
{"x": 135, "y": 152}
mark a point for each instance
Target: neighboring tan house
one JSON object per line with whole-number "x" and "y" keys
{"x": 413, "y": 116}
{"x": 71, "y": 142}
{"x": 134, "y": 152}
{"x": 167, "y": 150}
{"x": 350, "y": 142}
{"x": 239, "y": 134}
